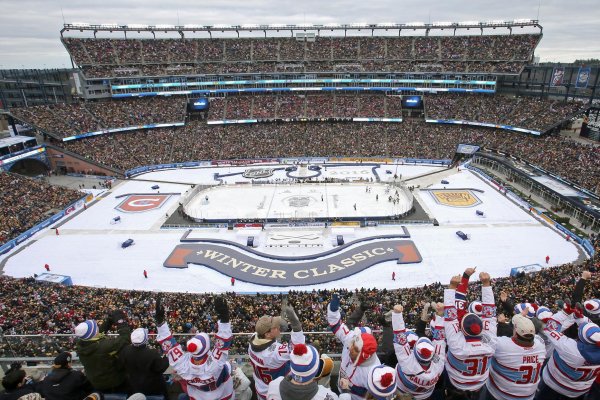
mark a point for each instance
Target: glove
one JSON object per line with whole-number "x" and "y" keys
{"x": 567, "y": 307}
{"x": 106, "y": 324}
{"x": 118, "y": 317}
{"x": 222, "y": 309}
{"x": 334, "y": 305}
{"x": 364, "y": 305}
{"x": 159, "y": 315}
{"x": 293, "y": 318}
{"x": 578, "y": 311}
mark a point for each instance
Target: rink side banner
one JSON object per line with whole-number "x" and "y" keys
{"x": 247, "y": 267}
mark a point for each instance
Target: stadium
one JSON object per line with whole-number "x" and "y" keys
{"x": 273, "y": 165}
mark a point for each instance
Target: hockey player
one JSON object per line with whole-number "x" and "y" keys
{"x": 468, "y": 356}
{"x": 206, "y": 374}
{"x": 517, "y": 362}
{"x": 419, "y": 368}
{"x": 358, "y": 353}
{"x": 301, "y": 383}
{"x": 574, "y": 364}
{"x": 271, "y": 359}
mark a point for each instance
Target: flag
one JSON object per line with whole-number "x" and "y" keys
{"x": 583, "y": 77}
{"x": 557, "y": 76}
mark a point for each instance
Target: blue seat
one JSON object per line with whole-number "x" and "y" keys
{"x": 115, "y": 396}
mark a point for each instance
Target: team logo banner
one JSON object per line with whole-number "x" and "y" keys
{"x": 583, "y": 77}
{"x": 558, "y": 74}
{"x": 270, "y": 270}
{"x": 455, "y": 198}
{"x": 142, "y": 202}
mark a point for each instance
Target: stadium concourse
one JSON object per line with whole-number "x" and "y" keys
{"x": 88, "y": 248}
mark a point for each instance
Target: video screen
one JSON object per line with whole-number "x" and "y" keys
{"x": 199, "y": 104}
{"x": 412, "y": 102}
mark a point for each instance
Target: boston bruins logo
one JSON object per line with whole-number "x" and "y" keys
{"x": 455, "y": 198}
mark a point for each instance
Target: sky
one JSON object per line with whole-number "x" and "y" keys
{"x": 30, "y": 29}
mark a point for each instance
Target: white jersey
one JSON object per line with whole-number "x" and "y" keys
{"x": 413, "y": 379}
{"x": 515, "y": 370}
{"x": 357, "y": 375}
{"x": 568, "y": 372}
{"x": 210, "y": 380}
{"x": 467, "y": 360}
{"x": 322, "y": 394}
{"x": 270, "y": 360}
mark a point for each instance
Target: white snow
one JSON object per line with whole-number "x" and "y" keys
{"x": 89, "y": 248}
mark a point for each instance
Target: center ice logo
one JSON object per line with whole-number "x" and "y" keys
{"x": 140, "y": 203}
{"x": 257, "y": 173}
{"x": 455, "y": 198}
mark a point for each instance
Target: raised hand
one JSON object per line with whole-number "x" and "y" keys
{"x": 485, "y": 278}
{"x": 222, "y": 309}
{"x": 454, "y": 281}
{"x": 293, "y": 319}
{"x": 159, "y": 315}
{"x": 334, "y": 305}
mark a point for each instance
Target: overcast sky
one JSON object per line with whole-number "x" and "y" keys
{"x": 30, "y": 29}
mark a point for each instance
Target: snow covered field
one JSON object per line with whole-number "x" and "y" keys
{"x": 89, "y": 247}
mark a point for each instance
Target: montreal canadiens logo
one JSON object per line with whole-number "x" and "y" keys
{"x": 142, "y": 203}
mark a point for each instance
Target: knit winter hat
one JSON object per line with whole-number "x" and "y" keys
{"x": 424, "y": 350}
{"x": 199, "y": 345}
{"x": 592, "y": 306}
{"x": 137, "y": 396}
{"x": 471, "y": 325}
{"x": 382, "y": 381}
{"x": 543, "y": 313}
{"x": 139, "y": 337}
{"x": 87, "y": 329}
{"x": 304, "y": 363}
{"x": 475, "y": 307}
{"x": 366, "y": 345}
{"x": 589, "y": 333}
{"x": 522, "y": 306}
{"x": 362, "y": 329}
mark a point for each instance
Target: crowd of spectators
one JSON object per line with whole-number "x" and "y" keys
{"x": 135, "y": 57}
{"x": 524, "y": 112}
{"x": 64, "y": 120}
{"x": 25, "y": 202}
{"x": 577, "y": 162}
{"x": 30, "y": 307}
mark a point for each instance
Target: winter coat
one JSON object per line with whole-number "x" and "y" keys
{"x": 26, "y": 392}
{"x": 65, "y": 384}
{"x": 99, "y": 358}
{"x": 144, "y": 368}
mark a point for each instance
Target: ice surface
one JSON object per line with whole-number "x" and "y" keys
{"x": 88, "y": 247}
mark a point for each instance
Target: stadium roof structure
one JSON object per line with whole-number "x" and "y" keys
{"x": 516, "y": 23}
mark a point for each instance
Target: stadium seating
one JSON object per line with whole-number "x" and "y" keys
{"x": 155, "y": 57}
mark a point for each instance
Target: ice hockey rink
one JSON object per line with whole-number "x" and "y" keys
{"x": 88, "y": 248}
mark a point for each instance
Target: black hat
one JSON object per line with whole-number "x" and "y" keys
{"x": 63, "y": 359}
{"x": 13, "y": 377}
